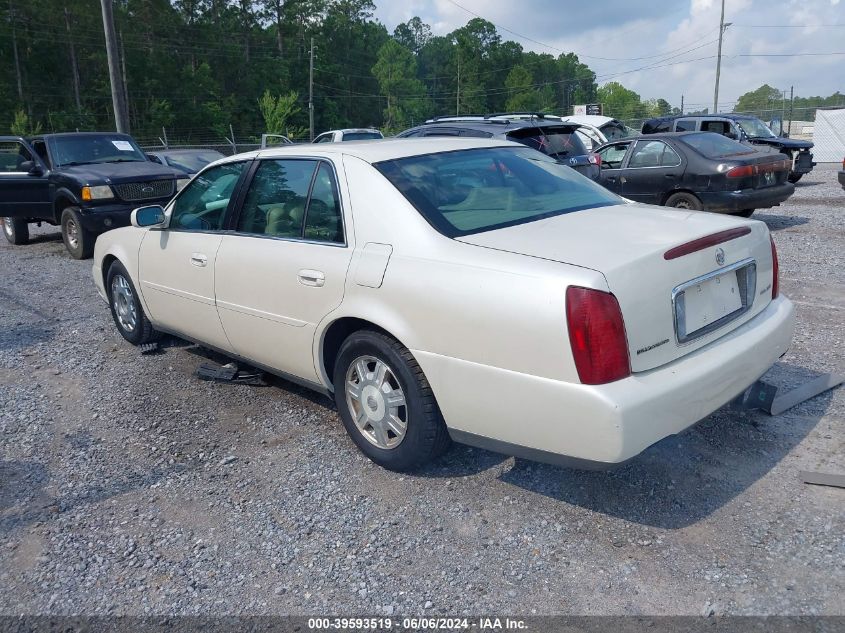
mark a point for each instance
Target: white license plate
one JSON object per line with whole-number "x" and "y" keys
{"x": 710, "y": 300}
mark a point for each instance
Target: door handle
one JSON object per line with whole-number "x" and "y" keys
{"x": 198, "y": 259}
{"x": 314, "y": 278}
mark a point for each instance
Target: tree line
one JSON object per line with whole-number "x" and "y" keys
{"x": 197, "y": 67}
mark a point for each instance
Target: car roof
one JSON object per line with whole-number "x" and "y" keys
{"x": 495, "y": 125}
{"x": 375, "y": 151}
{"x": 67, "y": 134}
{"x": 351, "y": 129}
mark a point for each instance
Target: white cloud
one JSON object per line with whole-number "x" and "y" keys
{"x": 665, "y": 32}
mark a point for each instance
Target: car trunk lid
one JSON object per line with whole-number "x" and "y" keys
{"x": 673, "y": 302}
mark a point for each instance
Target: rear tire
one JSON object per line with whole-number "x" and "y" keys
{"x": 684, "y": 200}
{"x": 126, "y": 310}
{"x": 793, "y": 177}
{"x": 79, "y": 242}
{"x": 16, "y": 230}
{"x": 386, "y": 403}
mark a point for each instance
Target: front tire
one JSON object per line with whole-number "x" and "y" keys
{"x": 684, "y": 200}
{"x": 386, "y": 403}
{"x": 793, "y": 177}
{"x": 126, "y": 310}
{"x": 16, "y": 230}
{"x": 79, "y": 241}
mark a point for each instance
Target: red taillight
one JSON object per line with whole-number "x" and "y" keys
{"x": 775, "y": 270}
{"x": 743, "y": 171}
{"x": 597, "y": 336}
{"x": 595, "y": 159}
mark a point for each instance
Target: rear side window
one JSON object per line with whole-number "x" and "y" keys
{"x": 653, "y": 154}
{"x": 276, "y": 199}
{"x": 554, "y": 142}
{"x": 685, "y": 125}
{"x": 471, "y": 191}
{"x": 719, "y": 127}
{"x": 657, "y": 126}
{"x": 12, "y": 154}
{"x": 323, "y": 218}
{"x": 715, "y": 145}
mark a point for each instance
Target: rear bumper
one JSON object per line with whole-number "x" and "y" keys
{"x": 603, "y": 426}
{"x": 728, "y": 201}
{"x": 803, "y": 163}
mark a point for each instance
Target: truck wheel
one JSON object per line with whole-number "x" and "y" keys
{"x": 386, "y": 403}
{"x": 126, "y": 309}
{"x": 79, "y": 242}
{"x": 793, "y": 177}
{"x": 683, "y": 200}
{"x": 16, "y": 230}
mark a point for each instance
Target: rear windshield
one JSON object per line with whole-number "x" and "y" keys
{"x": 471, "y": 191}
{"x": 361, "y": 136}
{"x": 555, "y": 142}
{"x": 100, "y": 148}
{"x": 714, "y": 145}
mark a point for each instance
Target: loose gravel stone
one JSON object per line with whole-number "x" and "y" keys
{"x": 128, "y": 486}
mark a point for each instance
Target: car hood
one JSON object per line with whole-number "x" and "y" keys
{"x": 116, "y": 173}
{"x": 780, "y": 141}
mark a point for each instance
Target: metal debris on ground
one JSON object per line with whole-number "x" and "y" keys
{"x": 761, "y": 395}
{"x": 230, "y": 373}
{"x": 149, "y": 348}
{"x": 822, "y": 479}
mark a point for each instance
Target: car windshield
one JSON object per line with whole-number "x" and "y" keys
{"x": 715, "y": 145}
{"x": 193, "y": 162}
{"x": 361, "y": 136}
{"x": 95, "y": 148}
{"x": 755, "y": 128}
{"x": 477, "y": 190}
{"x": 556, "y": 142}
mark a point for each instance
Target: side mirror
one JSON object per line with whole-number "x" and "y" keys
{"x": 31, "y": 167}
{"x": 731, "y": 135}
{"x": 148, "y": 216}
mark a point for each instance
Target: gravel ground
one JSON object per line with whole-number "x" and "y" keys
{"x": 128, "y": 486}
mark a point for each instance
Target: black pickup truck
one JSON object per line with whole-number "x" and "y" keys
{"x": 86, "y": 182}
{"x": 743, "y": 128}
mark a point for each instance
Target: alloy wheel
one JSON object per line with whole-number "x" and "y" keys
{"x": 376, "y": 402}
{"x": 123, "y": 301}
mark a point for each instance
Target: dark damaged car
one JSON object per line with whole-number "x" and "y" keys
{"x": 85, "y": 182}
{"x": 743, "y": 128}
{"x": 695, "y": 170}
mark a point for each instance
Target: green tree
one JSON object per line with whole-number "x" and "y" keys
{"x": 396, "y": 71}
{"x": 22, "y": 126}
{"x": 621, "y": 103}
{"x": 413, "y": 34}
{"x": 521, "y": 93}
{"x": 278, "y": 112}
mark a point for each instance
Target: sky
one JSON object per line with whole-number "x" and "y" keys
{"x": 619, "y": 39}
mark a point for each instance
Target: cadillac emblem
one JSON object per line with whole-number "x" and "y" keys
{"x": 720, "y": 256}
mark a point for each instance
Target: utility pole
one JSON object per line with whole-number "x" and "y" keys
{"x": 311, "y": 92}
{"x": 121, "y": 120}
{"x": 791, "y": 103}
{"x": 73, "y": 65}
{"x": 682, "y": 105}
{"x": 722, "y": 27}
{"x": 15, "y": 52}
{"x": 458, "y": 93}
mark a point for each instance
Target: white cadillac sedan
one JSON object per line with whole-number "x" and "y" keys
{"x": 457, "y": 289}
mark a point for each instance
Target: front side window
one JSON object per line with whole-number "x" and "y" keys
{"x": 12, "y": 155}
{"x": 685, "y": 125}
{"x": 361, "y": 136}
{"x": 755, "y": 128}
{"x": 653, "y": 154}
{"x": 476, "y": 190}
{"x": 202, "y": 204}
{"x": 613, "y": 155}
{"x": 324, "y": 138}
